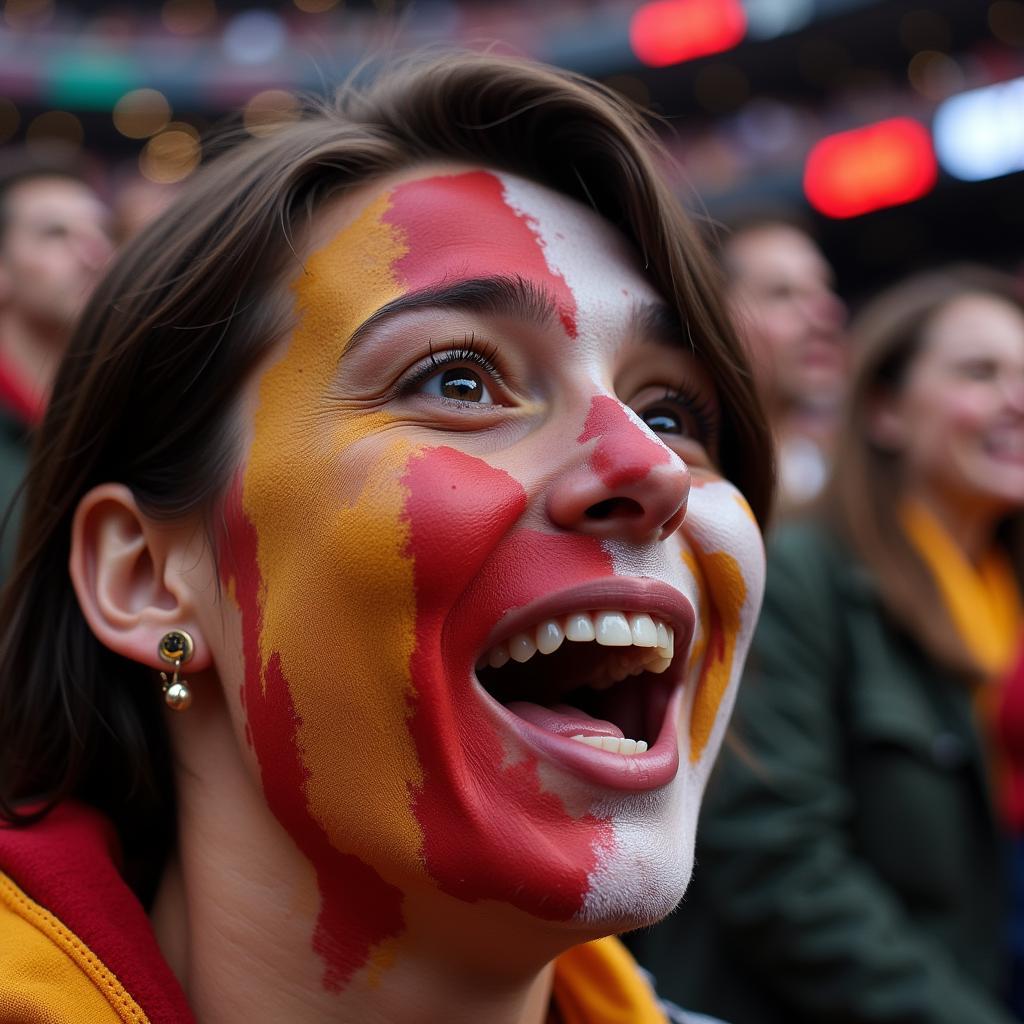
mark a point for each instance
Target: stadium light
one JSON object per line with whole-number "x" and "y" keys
{"x": 670, "y": 31}
{"x": 870, "y": 168}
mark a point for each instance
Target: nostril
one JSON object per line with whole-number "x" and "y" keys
{"x": 620, "y": 508}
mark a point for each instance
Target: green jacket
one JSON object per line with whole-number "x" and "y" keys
{"x": 848, "y": 864}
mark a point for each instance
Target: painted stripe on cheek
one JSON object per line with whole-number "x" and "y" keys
{"x": 358, "y": 910}
{"x": 490, "y": 829}
{"x": 724, "y": 592}
{"x": 624, "y": 454}
{"x": 459, "y": 227}
{"x": 318, "y": 531}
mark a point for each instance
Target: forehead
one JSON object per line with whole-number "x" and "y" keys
{"x": 51, "y": 197}
{"x": 457, "y": 223}
{"x": 975, "y": 325}
{"x": 775, "y": 251}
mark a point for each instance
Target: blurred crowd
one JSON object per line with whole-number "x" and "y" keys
{"x": 861, "y": 853}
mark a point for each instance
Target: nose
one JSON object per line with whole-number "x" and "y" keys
{"x": 825, "y": 310}
{"x": 621, "y": 481}
{"x": 1013, "y": 394}
{"x": 94, "y": 247}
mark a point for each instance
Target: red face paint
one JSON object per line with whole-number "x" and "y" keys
{"x": 459, "y": 227}
{"x": 490, "y": 829}
{"x": 624, "y": 454}
{"x": 358, "y": 910}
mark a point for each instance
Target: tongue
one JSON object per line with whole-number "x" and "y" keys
{"x": 563, "y": 720}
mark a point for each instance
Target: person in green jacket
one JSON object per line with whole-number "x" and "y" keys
{"x": 850, "y": 863}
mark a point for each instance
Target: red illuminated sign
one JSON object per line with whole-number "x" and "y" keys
{"x": 883, "y": 164}
{"x": 670, "y": 31}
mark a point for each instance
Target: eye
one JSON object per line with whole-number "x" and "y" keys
{"x": 460, "y": 384}
{"x": 458, "y": 376}
{"x": 663, "y": 420}
{"x": 679, "y": 412}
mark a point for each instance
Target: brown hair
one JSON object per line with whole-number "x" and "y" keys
{"x": 190, "y": 307}
{"x": 862, "y": 499}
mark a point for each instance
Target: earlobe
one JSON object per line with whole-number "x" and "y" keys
{"x": 120, "y": 568}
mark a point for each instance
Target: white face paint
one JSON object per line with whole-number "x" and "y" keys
{"x": 716, "y": 560}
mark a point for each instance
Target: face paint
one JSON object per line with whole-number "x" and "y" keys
{"x": 489, "y": 237}
{"x": 727, "y": 558}
{"x": 622, "y": 456}
{"x": 460, "y": 512}
{"x": 372, "y": 569}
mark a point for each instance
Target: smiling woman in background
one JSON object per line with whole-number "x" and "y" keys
{"x": 850, "y": 866}
{"x": 408, "y": 446}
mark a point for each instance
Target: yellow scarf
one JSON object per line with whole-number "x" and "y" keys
{"x": 984, "y": 602}
{"x": 600, "y": 983}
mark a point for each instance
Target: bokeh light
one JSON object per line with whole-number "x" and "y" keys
{"x": 934, "y": 75}
{"x": 10, "y": 119}
{"x": 188, "y": 17}
{"x": 631, "y": 88}
{"x": 925, "y": 30}
{"x": 141, "y": 113}
{"x": 54, "y": 128}
{"x": 670, "y": 31}
{"x": 721, "y": 88}
{"x": 26, "y": 14}
{"x": 1006, "y": 20}
{"x": 880, "y": 165}
{"x": 979, "y": 134}
{"x": 254, "y": 37}
{"x": 172, "y": 155}
{"x": 268, "y": 110}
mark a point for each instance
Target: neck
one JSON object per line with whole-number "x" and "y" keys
{"x": 237, "y": 911}
{"x": 33, "y": 352}
{"x": 970, "y": 524}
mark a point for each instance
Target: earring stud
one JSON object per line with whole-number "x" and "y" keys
{"x": 176, "y": 647}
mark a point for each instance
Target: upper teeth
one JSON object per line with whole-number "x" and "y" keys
{"x": 607, "y": 628}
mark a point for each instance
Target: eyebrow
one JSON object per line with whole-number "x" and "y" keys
{"x": 513, "y": 297}
{"x": 517, "y": 298}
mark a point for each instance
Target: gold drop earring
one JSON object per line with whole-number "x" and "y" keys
{"x": 176, "y": 648}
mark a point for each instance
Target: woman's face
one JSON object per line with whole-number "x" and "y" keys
{"x": 485, "y": 439}
{"x": 960, "y": 415}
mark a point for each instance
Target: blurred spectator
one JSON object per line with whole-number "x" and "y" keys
{"x": 780, "y": 290}
{"x": 849, "y": 864}
{"x": 54, "y": 243}
{"x": 136, "y": 201}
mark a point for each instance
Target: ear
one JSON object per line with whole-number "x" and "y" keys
{"x": 125, "y": 569}
{"x": 886, "y": 423}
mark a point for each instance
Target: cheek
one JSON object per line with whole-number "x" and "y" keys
{"x": 726, "y": 557}
{"x": 324, "y": 699}
{"x": 492, "y": 830}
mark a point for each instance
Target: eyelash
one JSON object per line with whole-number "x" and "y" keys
{"x": 698, "y": 405}
{"x": 484, "y": 356}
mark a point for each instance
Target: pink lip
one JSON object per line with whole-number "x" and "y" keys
{"x": 659, "y": 765}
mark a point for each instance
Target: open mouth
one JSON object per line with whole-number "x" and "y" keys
{"x": 597, "y": 677}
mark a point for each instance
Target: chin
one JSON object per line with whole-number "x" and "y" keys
{"x": 643, "y": 876}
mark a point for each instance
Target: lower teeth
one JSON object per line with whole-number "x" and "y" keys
{"x": 613, "y": 744}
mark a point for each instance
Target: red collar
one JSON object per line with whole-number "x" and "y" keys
{"x": 17, "y": 395}
{"x": 66, "y": 863}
